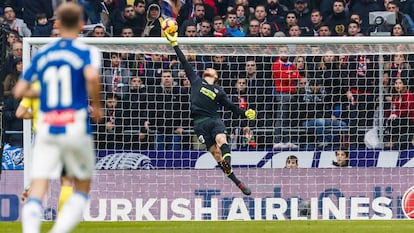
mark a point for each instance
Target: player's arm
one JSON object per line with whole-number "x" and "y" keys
{"x": 22, "y": 89}
{"x": 192, "y": 76}
{"x": 93, "y": 85}
{"x": 23, "y": 111}
{"x": 228, "y": 104}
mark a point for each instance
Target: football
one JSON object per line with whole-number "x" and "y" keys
{"x": 169, "y": 26}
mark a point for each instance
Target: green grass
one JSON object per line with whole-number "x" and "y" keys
{"x": 327, "y": 226}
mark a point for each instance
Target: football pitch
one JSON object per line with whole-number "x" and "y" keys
{"x": 290, "y": 226}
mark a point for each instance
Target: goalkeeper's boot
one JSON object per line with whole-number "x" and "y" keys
{"x": 245, "y": 190}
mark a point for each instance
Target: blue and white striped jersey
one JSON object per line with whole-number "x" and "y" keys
{"x": 59, "y": 67}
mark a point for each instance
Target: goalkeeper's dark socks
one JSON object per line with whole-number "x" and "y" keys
{"x": 230, "y": 174}
{"x": 233, "y": 178}
{"x": 225, "y": 166}
{"x": 226, "y": 153}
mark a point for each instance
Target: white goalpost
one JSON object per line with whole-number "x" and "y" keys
{"x": 315, "y": 97}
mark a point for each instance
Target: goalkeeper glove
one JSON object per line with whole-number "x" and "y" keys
{"x": 172, "y": 38}
{"x": 250, "y": 114}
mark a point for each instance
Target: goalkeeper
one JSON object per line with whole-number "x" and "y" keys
{"x": 210, "y": 129}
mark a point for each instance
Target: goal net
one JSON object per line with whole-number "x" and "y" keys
{"x": 318, "y": 100}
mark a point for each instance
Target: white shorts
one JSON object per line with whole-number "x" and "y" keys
{"x": 52, "y": 152}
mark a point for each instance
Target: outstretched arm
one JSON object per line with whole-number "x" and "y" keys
{"x": 228, "y": 104}
{"x": 192, "y": 76}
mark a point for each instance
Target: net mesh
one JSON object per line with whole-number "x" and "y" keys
{"x": 308, "y": 96}
{"x": 314, "y": 99}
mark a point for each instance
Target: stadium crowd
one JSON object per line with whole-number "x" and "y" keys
{"x": 146, "y": 96}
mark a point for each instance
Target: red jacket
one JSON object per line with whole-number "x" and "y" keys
{"x": 403, "y": 105}
{"x": 285, "y": 74}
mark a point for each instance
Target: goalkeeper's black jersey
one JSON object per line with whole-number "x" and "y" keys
{"x": 205, "y": 98}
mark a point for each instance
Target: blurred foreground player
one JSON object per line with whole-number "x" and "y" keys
{"x": 68, "y": 71}
{"x": 28, "y": 109}
{"x": 210, "y": 129}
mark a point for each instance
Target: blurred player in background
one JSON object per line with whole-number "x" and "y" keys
{"x": 28, "y": 109}
{"x": 210, "y": 129}
{"x": 68, "y": 71}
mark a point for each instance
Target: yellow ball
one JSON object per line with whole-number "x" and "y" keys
{"x": 169, "y": 26}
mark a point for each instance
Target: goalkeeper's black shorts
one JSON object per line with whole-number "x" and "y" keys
{"x": 207, "y": 129}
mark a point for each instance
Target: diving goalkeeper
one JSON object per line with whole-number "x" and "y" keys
{"x": 210, "y": 129}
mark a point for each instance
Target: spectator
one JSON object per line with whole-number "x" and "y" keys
{"x": 11, "y": 79}
{"x": 266, "y": 30}
{"x": 109, "y": 130}
{"x": 324, "y": 30}
{"x": 151, "y": 70}
{"x": 241, "y": 134}
{"x": 316, "y": 19}
{"x": 127, "y": 32}
{"x": 401, "y": 18}
{"x": 14, "y": 23}
{"x": 187, "y": 11}
{"x": 398, "y": 30}
{"x": 304, "y": 16}
{"x": 43, "y": 27}
{"x": 275, "y": 14}
{"x": 285, "y": 76}
{"x": 321, "y": 120}
{"x": 400, "y": 67}
{"x": 218, "y": 25}
{"x": 205, "y": 29}
{"x": 190, "y": 30}
{"x": 294, "y": 31}
{"x": 291, "y": 20}
{"x": 400, "y": 118}
{"x": 164, "y": 114}
{"x": 300, "y": 63}
{"x": 361, "y": 10}
{"x": 139, "y": 7}
{"x": 98, "y": 31}
{"x": 292, "y": 162}
{"x": 260, "y": 87}
{"x": 196, "y": 19}
{"x": 153, "y": 23}
{"x": 363, "y": 28}
{"x": 342, "y": 158}
{"x": 12, "y": 123}
{"x": 116, "y": 77}
{"x": 243, "y": 16}
{"x": 17, "y": 52}
{"x": 260, "y": 13}
{"x": 353, "y": 29}
{"x": 12, "y": 37}
{"x": 254, "y": 28}
{"x": 133, "y": 20}
{"x": 361, "y": 71}
{"x": 232, "y": 28}
{"x": 33, "y": 8}
{"x": 136, "y": 135}
{"x": 132, "y": 59}
{"x": 338, "y": 20}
